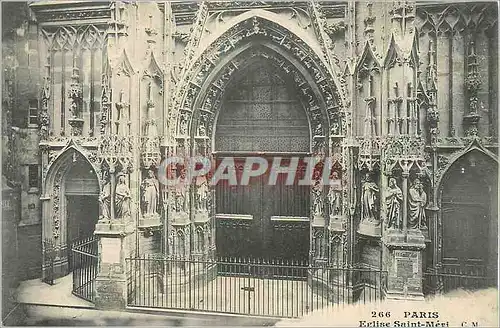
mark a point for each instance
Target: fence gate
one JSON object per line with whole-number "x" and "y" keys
{"x": 84, "y": 262}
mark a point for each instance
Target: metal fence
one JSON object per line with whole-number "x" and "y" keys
{"x": 84, "y": 263}
{"x": 251, "y": 287}
{"x": 436, "y": 283}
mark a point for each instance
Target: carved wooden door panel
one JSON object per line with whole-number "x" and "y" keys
{"x": 263, "y": 220}
{"x": 465, "y": 226}
{"x": 238, "y": 209}
{"x": 261, "y": 114}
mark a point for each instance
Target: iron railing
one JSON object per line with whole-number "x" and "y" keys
{"x": 250, "y": 287}
{"x": 436, "y": 283}
{"x": 85, "y": 261}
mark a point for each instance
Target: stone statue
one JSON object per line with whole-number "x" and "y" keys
{"x": 150, "y": 191}
{"x": 180, "y": 200}
{"x": 393, "y": 201}
{"x": 202, "y": 196}
{"x": 122, "y": 199}
{"x": 334, "y": 196}
{"x": 202, "y": 131}
{"x": 317, "y": 201}
{"x": 417, "y": 199}
{"x": 369, "y": 201}
{"x": 105, "y": 201}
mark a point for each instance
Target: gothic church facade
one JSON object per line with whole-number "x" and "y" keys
{"x": 399, "y": 97}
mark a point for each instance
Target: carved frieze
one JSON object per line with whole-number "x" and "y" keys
{"x": 69, "y": 38}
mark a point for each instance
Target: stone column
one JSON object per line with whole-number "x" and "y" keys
{"x": 111, "y": 281}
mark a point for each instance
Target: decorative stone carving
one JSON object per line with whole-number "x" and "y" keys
{"x": 122, "y": 199}
{"x": 116, "y": 150}
{"x": 318, "y": 205}
{"x": 472, "y": 83}
{"x": 56, "y": 205}
{"x": 75, "y": 94}
{"x": 121, "y": 121}
{"x": 105, "y": 202}
{"x": 43, "y": 115}
{"x": 369, "y": 197}
{"x": 150, "y": 192}
{"x": 67, "y": 37}
{"x": 393, "y": 202}
{"x": 201, "y": 196}
{"x": 417, "y": 200}
{"x": 181, "y": 200}
{"x": 189, "y": 89}
{"x": 335, "y": 197}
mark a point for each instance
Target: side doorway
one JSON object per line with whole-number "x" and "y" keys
{"x": 469, "y": 218}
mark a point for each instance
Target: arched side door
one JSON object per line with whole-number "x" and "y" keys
{"x": 469, "y": 220}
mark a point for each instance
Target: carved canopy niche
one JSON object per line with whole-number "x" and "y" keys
{"x": 201, "y": 88}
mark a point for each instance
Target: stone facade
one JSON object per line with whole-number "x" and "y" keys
{"x": 397, "y": 95}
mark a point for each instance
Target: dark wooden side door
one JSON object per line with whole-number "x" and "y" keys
{"x": 466, "y": 224}
{"x": 260, "y": 220}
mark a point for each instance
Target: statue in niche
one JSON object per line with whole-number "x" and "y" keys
{"x": 202, "y": 196}
{"x": 369, "y": 201}
{"x": 184, "y": 123}
{"x": 319, "y": 245}
{"x": 122, "y": 198}
{"x": 319, "y": 130}
{"x": 317, "y": 201}
{"x": 417, "y": 199}
{"x": 335, "y": 130}
{"x": 181, "y": 199}
{"x": 393, "y": 201}
{"x": 105, "y": 202}
{"x": 334, "y": 196}
{"x": 150, "y": 191}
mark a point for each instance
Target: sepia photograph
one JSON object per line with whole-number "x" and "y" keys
{"x": 250, "y": 163}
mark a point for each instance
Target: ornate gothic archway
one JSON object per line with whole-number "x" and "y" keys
{"x": 54, "y": 203}
{"x": 197, "y": 102}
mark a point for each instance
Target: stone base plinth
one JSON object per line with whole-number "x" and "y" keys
{"x": 331, "y": 284}
{"x": 111, "y": 283}
{"x": 201, "y": 217}
{"x": 336, "y": 224}
{"x": 112, "y": 227}
{"x": 370, "y": 229}
{"x": 152, "y": 221}
{"x": 110, "y": 292}
{"x": 185, "y": 275}
{"x": 397, "y": 295}
{"x": 404, "y": 264}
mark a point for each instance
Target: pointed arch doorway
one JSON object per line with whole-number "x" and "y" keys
{"x": 70, "y": 210}
{"x": 469, "y": 207}
{"x": 262, "y": 116}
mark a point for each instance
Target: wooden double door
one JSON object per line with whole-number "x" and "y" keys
{"x": 263, "y": 219}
